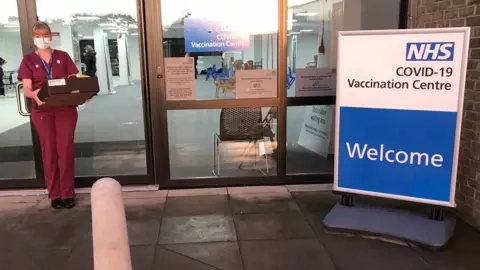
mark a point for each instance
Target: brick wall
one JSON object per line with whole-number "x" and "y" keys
{"x": 455, "y": 13}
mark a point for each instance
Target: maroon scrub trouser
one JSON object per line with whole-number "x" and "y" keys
{"x": 56, "y": 129}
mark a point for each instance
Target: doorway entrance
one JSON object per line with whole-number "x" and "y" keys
{"x": 110, "y": 137}
{"x": 228, "y": 122}
{"x": 190, "y": 96}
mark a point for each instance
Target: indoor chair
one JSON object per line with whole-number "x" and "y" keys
{"x": 226, "y": 84}
{"x": 212, "y": 72}
{"x": 290, "y": 78}
{"x": 240, "y": 125}
{"x": 248, "y": 65}
{"x": 9, "y": 81}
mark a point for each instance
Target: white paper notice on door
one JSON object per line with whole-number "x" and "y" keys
{"x": 314, "y": 82}
{"x": 259, "y": 83}
{"x": 316, "y": 129}
{"x": 180, "y": 78}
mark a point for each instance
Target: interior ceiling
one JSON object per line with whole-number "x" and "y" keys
{"x": 127, "y": 23}
{"x": 319, "y": 11}
{"x": 84, "y": 23}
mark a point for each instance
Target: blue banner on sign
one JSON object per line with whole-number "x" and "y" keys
{"x": 398, "y": 152}
{"x": 210, "y": 36}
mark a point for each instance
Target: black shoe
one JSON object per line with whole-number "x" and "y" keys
{"x": 69, "y": 203}
{"x": 57, "y": 204}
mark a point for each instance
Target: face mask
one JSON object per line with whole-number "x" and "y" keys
{"x": 42, "y": 43}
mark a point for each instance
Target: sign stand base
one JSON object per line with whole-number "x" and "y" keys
{"x": 432, "y": 232}
{"x": 436, "y": 214}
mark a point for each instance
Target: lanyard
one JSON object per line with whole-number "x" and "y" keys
{"x": 49, "y": 70}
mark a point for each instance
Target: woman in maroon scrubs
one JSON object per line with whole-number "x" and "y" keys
{"x": 55, "y": 126}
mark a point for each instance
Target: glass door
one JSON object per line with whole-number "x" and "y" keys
{"x": 190, "y": 95}
{"x": 104, "y": 38}
{"x": 312, "y": 59}
{"x": 245, "y": 93}
{"x": 17, "y": 152}
{"x": 218, "y": 75}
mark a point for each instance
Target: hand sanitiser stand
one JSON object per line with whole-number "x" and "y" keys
{"x": 397, "y": 130}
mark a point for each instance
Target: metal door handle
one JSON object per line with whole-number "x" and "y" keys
{"x": 19, "y": 103}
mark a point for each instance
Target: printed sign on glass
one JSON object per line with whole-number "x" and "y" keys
{"x": 180, "y": 78}
{"x": 258, "y": 83}
{"x": 316, "y": 129}
{"x": 315, "y": 82}
{"x": 211, "y": 36}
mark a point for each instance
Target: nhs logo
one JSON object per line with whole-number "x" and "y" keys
{"x": 430, "y": 51}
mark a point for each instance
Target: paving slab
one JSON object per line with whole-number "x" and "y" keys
{"x": 352, "y": 253}
{"x": 305, "y": 254}
{"x": 222, "y": 255}
{"x": 272, "y": 226}
{"x": 244, "y": 229}
{"x": 254, "y": 203}
{"x": 197, "y": 205}
{"x": 194, "y": 229}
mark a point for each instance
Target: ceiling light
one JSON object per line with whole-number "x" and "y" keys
{"x": 134, "y": 34}
{"x": 304, "y": 14}
{"x": 12, "y": 25}
{"x": 88, "y": 18}
{"x": 119, "y": 31}
{"x": 294, "y": 33}
{"x": 108, "y": 24}
{"x": 11, "y": 30}
{"x": 294, "y": 20}
{"x": 306, "y": 30}
{"x": 298, "y": 2}
{"x": 132, "y": 26}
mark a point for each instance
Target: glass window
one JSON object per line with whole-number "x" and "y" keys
{"x": 102, "y": 39}
{"x": 310, "y": 30}
{"x": 233, "y": 50}
{"x": 229, "y": 142}
{"x": 312, "y": 38}
{"x": 310, "y": 139}
{"x": 312, "y": 42}
{"x": 16, "y": 151}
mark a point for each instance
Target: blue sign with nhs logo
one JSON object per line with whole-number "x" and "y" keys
{"x": 430, "y": 51}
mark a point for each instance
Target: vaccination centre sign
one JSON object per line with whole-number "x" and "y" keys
{"x": 203, "y": 35}
{"x": 399, "y": 107}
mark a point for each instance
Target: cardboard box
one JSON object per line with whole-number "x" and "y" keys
{"x": 71, "y": 91}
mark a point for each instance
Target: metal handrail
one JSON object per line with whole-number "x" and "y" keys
{"x": 19, "y": 103}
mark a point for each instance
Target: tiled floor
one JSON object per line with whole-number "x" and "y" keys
{"x": 258, "y": 228}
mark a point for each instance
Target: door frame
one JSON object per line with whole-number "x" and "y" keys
{"x": 160, "y": 123}
{"x": 27, "y": 15}
{"x": 282, "y": 102}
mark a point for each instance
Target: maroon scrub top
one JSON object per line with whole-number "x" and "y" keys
{"x": 32, "y": 68}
